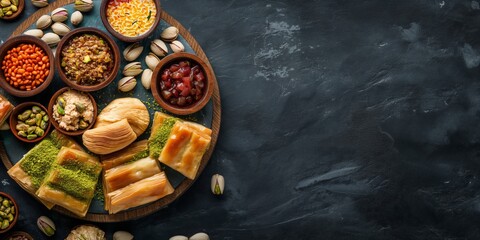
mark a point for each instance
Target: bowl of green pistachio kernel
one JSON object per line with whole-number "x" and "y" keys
{"x": 8, "y": 212}
{"x": 29, "y": 122}
{"x": 11, "y": 9}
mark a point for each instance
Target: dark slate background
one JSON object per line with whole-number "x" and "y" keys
{"x": 341, "y": 120}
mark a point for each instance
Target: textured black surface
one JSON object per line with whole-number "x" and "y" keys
{"x": 341, "y": 120}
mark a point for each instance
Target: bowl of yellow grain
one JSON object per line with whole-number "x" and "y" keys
{"x": 130, "y": 20}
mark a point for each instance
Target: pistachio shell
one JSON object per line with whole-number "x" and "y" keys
{"x": 177, "y": 46}
{"x": 83, "y": 5}
{"x": 59, "y": 15}
{"x": 51, "y": 39}
{"x": 169, "y": 34}
{"x": 60, "y": 28}
{"x": 46, "y": 225}
{"x": 44, "y": 22}
{"x": 122, "y": 235}
{"x": 76, "y": 18}
{"x": 127, "y": 84}
{"x": 4, "y": 126}
{"x": 132, "y": 52}
{"x": 132, "y": 69}
{"x": 147, "y": 78}
{"x": 159, "y": 48}
{"x": 40, "y": 3}
{"x": 200, "y": 236}
{"x": 178, "y": 237}
{"x": 152, "y": 61}
{"x": 34, "y": 32}
{"x": 217, "y": 184}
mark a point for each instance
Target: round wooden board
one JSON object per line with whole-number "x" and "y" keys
{"x": 186, "y": 183}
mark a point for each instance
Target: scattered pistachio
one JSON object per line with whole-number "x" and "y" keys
{"x": 127, "y": 84}
{"x": 218, "y": 184}
{"x": 60, "y": 28}
{"x": 178, "y": 237}
{"x": 177, "y": 46}
{"x": 132, "y": 52}
{"x": 200, "y": 236}
{"x": 40, "y": 3}
{"x": 147, "y": 78}
{"x": 83, "y": 5}
{"x": 122, "y": 235}
{"x": 76, "y": 18}
{"x": 132, "y": 69}
{"x": 59, "y": 15}
{"x": 46, "y": 225}
{"x": 169, "y": 34}
{"x": 51, "y": 39}
{"x": 159, "y": 48}
{"x": 44, "y": 22}
{"x": 152, "y": 61}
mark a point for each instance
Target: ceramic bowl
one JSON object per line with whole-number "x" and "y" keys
{"x": 166, "y": 63}
{"x": 20, "y": 7}
{"x": 14, "y": 42}
{"x": 115, "y": 58}
{"x": 55, "y": 123}
{"x": 106, "y": 23}
{"x": 14, "y": 121}
{"x": 15, "y": 217}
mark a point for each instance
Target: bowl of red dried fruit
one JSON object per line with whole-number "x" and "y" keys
{"x": 182, "y": 83}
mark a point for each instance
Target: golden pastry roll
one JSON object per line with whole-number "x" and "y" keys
{"x": 133, "y": 151}
{"x": 142, "y": 192}
{"x": 70, "y": 189}
{"x": 109, "y": 138}
{"x": 124, "y": 175}
{"x": 184, "y": 149}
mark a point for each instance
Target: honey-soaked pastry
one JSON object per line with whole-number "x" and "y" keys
{"x": 32, "y": 169}
{"x": 109, "y": 138}
{"x": 131, "y": 109}
{"x": 142, "y": 192}
{"x": 72, "y": 180}
{"x": 5, "y": 109}
{"x": 124, "y": 175}
{"x": 133, "y": 151}
{"x": 179, "y": 144}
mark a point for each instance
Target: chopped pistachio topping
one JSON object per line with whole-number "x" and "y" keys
{"x": 159, "y": 138}
{"x": 37, "y": 162}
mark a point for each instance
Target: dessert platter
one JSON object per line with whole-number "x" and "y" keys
{"x": 113, "y": 108}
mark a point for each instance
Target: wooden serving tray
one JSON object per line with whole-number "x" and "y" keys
{"x": 11, "y": 152}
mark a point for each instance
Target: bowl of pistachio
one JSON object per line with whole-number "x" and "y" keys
{"x": 29, "y": 122}
{"x": 11, "y": 9}
{"x": 8, "y": 212}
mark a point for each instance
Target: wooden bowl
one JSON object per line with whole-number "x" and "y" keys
{"x": 13, "y": 121}
{"x": 19, "y": 234}
{"x": 14, "y": 42}
{"x": 103, "y": 16}
{"x": 15, "y": 217}
{"x": 55, "y": 123}
{"x": 20, "y": 7}
{"x": 115, "y": 52}
{"x": 175, "y": 58}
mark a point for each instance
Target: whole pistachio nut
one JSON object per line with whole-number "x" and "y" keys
{"x": 34, "y": 32}
{"x": 218, "y": 184}
{"x": 152, "y": 61}
{"x": 4, "y": 126}
{"x": 169, "y": 34}
{"x": 159, "y": 48}
{"x": 178, "y": 237}
{"x": 127, "y": 84}
{"x": 132, "y": 52}
{"x": 51, "y": 39}
{"x": 177, "y": 46}
{"x": 46, "y": 225}
{"x": 147, "y": 78}
{"x": 122, "y": 235}
{"x": 76, "y": 18}
{"x": 44, "y": 22}
{"x": 83, "y": 5}
{"x": 200, "y": 236}
{"x": 59, "y": 15}
{"x": 132, "y": 69}
{"x": 5, "y": 3}
{"x": 60, "y": 28}
{"x": 40, "y": 3}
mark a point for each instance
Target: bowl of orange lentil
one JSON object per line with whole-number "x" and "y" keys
{"x": 130, "y": 20}
{"x": 26, "y": 66}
